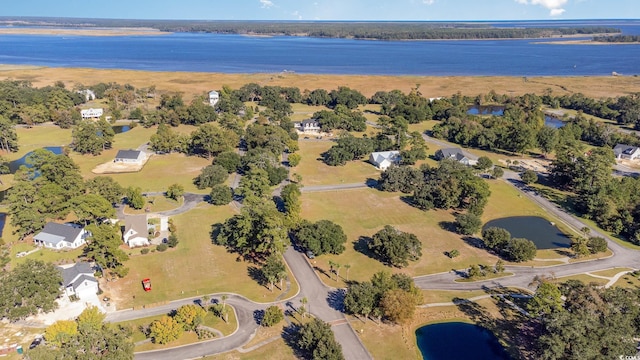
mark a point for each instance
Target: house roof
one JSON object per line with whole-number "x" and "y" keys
{"x": 128, "y": 154}
{"x": 137, "y": 223}
{"x": 81, "y": 279}
{"x": 213, "y": 92}
{"x": 72, "y": 274}
{"x": 624, "y": 149}
{"x": 54, "y": 233}
{"x": 309, "y": 121}
{"x": 455, "y": 153}
{"x": 381, "y": 156}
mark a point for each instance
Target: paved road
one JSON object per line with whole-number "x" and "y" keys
{"x": 191, "y": 200}
{"x": 318, "y": 188}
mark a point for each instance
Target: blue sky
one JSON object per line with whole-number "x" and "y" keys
{"x": 328, "y": 9}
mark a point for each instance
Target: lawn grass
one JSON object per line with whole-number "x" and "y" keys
{"x": 611, "y": 272}
{"x": 12, "y": 333}
{"x": 194, "y": 268}
{"x": 315, "y": 172}
{"x": 629, "y": 281}
{"x": 489, "y": 275}
{"x": 155, "y": 204}
{"x": 587, "y": 279}
{"x": 440, "y": 296}
{"x": 363, "y": 212}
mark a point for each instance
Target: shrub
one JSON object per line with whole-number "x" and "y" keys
{"x": 161, "y": 247}
{"x": 220, "y": 195}
{"x": 453, "y": 253}
{"x": 468, "y": 224}
{"x": 272, "y": 316}
{"x": 597, "y": 244}
{"x": 172, "y": 241}
{"x": 145, "y": 251}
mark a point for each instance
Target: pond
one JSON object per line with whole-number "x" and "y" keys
{"x": 498, "y": 110}
{"x": 15, "y": 164}
{"x": 119, "y": 129}
{"x": 539, "y": 230}
{"x": 458, "y": 340}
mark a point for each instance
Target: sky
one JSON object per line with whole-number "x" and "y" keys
{"x": 424, "y": 10}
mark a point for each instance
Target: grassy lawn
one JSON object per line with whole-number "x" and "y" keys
{"x": 363, "y": 212}
{"x": 611, "y": 272}
{"x": 587, "y": 279}
{"x": 17, "y": 334}
{"x": 438, "y": 296}
{"x": 316, "y": 172}
{"x": 628, "y": 281}
{"x": 277, "y": 349}
{"x": 489, "y": 275}
{"x": 194, "y": 268}
{"x": 155, "y": 204}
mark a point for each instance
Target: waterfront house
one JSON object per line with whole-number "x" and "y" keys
{"x": 61, "y": 236}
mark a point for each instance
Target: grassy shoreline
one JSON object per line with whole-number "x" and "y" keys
{"x": 197, "y": 83}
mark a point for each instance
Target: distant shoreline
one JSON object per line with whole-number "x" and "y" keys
{"x": 81, "y": 31}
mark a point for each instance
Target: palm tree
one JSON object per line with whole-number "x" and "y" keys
{"x": 205, "y": 300}
{"x": 304, "y": 302}
{"x": 224, "y": 298}
{"x": 347, "y": 266}
{"x": 337, "y": 270}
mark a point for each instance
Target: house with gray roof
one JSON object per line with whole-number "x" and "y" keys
{"x": 308, "y": 126}
{"x": 130, "y": 156}
{"x": 456, "y": 154}
{"x": 383, "y": 159}
{"x": 136, "y": 230}
{"x": 78, "y": 280}
{"x": 626, "y": 152}
{"x": 61, "y": 236}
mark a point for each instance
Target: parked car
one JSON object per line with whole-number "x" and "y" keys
{"x": 310, "y": 254}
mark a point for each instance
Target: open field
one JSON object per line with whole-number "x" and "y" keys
{"x": 194, "y": 268}
{"x": 628, "y": 281}
{"x": 316, "y": 172}
{"x": 277, "y": 349}
{"x": 438, "y": 296}
{"x": 14, "y": 334}
{"x": 611, "y": 272}
{"x": 430, "y": 86}
{"x": 584, "y": 278}
{"x": 155, "y": 204}
{"x": 363, "y": 212}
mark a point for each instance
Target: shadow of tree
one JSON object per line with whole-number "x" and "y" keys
{"x": 323, "y": 272}
{"x": 371, "y": 183}
{"x": 362, "y": 246}
{"x": 448, "y": 226}
{"x": 473, "y": 241}
{"x": 290, "y": 336}
{"x": 256, "y": 274}
{"x": 258, "y": 315}
{"x": 335, "y": 299}
{"x": 215, "y": 231}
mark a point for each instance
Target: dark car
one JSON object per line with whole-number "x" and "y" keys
{"x": 37, "y": 341}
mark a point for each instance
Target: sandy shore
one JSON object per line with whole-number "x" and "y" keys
{"x": 80, "y": 31}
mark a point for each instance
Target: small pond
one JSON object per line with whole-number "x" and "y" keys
{"x": 539, "y": 230}
{"x": 498, "y": 110}
{"x": 15, "y": 164}
{"x": 458, "y": 341}
{"x": 119, "y": 129}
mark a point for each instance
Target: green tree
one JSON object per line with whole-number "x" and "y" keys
{"x": 316, "y": 340}
{"x": 210, "y": 176}
{"x": 103, "y": 247}
{"x": 546, "y": 300}
{"x": 395, "y": 247}
{"x": 165, "y": 330}
{"x": 164, "y": 140}
{"x": 529, "y": 177}
{"x": 398, "y": 305}
{"x": 484, "y": 163}
{"x": 135, "y": 198}
{"x": 519, "y": 250}
{"x": 468, "y": 224}
{"x": 228, "y": 160}
{"x": 597, "y": 244}
{"x": 92, "y": 207}
{"x": 61, "y": 332}
{"x": 106, "y": 187}
{"x": 291, "y": 197}
{"x": 497, "y": 172}
{"x": 495, "y": 238}
{"x": 8, "y": 136}
{"x": 220, "y": 195}
{"x": 274, "y": 270}
{"x": 90, "y": 319}
{"x": 322, "y": 237}
{"x": 547, "y": 139}
{"x": 190, "y": 316}
{"x": 580, "y": 246}
{"x": 474, "y": 272}
{"x": 272, "y": 316}
{"x": 31, "y": 287}
{"x": 175, "y": 191}
{"x": 255, "y": 185}
{"x": 209, "y": 140}
{"x": 499, "y": 267}
{"x": 294, "y": 159}
{"x": 360, "y": 299}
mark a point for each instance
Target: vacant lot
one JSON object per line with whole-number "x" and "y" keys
{"x": 194, "y": 268}
{"x": 315, "y": 172}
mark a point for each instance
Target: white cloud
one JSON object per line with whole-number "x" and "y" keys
{"x": 428, "y": 2}
{"x": 554, "y": 6}
{"x": 266, "y": 3}
{"x": 297, "y": 15}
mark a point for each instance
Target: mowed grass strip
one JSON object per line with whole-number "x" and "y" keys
{"x": 194, "y": 268}
{"x": 363, "y": 212}
{"x": 315, "y": 172}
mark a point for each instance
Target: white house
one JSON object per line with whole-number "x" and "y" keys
{"x": 136, "y": 230}
{"x": 214, "y": 96}
{"x": 129, "y": 156}
{"x": 383, "y": 159}
{"x": 78, "y": 280}
{"x": 456, "y": 154}
{"x": 308, "y": 126}
{"x": 61, "y": 236}
{"x": 88, "y": 94}
{"x": 627, "y": 152}
{"x": 91, "y": 113}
